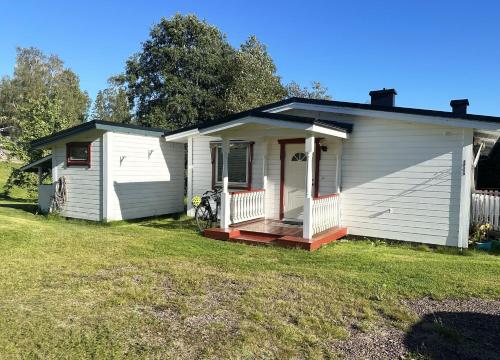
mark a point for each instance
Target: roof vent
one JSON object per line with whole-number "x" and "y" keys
{"x": 384, "y": 97}
{"x": 459, "y": 107}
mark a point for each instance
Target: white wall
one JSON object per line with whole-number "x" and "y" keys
{"x": 402, "y": 180}
{"x": 145, "y": 176}
{"x": 84, "y": 185}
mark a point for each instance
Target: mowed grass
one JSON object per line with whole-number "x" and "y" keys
{"x": 156, "y": 289}
{"x": 5, "y": 170}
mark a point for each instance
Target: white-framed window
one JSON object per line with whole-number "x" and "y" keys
{"x": 238, "y": 164}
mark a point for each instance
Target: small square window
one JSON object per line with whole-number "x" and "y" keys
{"x": 78, "y": 154}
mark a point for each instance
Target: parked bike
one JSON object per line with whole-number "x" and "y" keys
{"x": 205, "y": 215}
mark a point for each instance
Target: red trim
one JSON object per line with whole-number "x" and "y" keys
{"x": 316, "y": 168}
{"x": 70, "y": 162}
{"x": 282, "y": 143}
{"x": 292, "y": 141}
{"x": 250, "y": 166}
{"x": 246, "y": 192}
{"x": 325, "y": 196}
{"x": 213, "y": 154}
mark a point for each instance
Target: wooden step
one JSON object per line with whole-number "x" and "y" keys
{"x": 254, "y": 239}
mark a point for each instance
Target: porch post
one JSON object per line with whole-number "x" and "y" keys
{"x": 40, "y": 176}
{"x": 225, "y": 199}
{"x": 308, "y": 203}
{"x": 264, "y": 176}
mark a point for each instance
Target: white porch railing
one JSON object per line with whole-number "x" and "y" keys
{"x": 325, "y": 212}
{"x": 247, "y": 205}
{"x": 486, "y": 208}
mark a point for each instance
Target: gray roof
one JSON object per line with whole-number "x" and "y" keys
{"x": 99, "y": 125}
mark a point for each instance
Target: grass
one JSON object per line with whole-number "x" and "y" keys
{"x": 156, "y": 289}
{"x": 5, "y": 170}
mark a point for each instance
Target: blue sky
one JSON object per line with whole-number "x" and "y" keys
{"x": 430, "y": 51}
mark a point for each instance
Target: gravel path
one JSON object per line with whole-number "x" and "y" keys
{"x": 447, "y": 329}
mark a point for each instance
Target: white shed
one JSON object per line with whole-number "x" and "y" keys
{"x": 115, "y": 171}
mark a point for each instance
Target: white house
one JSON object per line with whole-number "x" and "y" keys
{"x": 299, "y": 171}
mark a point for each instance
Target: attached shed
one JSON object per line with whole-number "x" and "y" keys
{"x": 115, "y": 171}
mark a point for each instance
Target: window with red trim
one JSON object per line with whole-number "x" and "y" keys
{"x": 239, "y": 164}
{"x": 78, "y": 154}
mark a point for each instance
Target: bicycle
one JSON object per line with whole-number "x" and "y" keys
{"x": 205, "y": 215}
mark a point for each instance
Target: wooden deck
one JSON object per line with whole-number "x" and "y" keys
{"x": 274, "y": 232}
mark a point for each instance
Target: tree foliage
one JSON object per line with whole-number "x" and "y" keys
{"x": 181, "y": 74}
{"x": 254, "y": 81}
{"x": 111, "y": 104}
{"x": 188, "y": 73}
{"x": 317, "y": 91}
{"x": 37, "y": 75}
{"x": 40, "y": 98}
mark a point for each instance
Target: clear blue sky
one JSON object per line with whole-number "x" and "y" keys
{"x": 430, "y": 51}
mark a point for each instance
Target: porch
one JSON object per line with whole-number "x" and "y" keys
{"x": 288, "y": 210}
{"x": 275, "y": 232}
{"x": 279, "y": 174}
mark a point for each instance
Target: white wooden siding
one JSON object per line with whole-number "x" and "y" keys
{"x": 146, "y": 176}
{"x": 84, "y": 185}
{"x": 401, "y": 180}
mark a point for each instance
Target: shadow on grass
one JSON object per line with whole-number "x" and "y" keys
{"x": 172, "y": 224}
{"x": 19, "y": 204}
{"x": 455, "y": 335}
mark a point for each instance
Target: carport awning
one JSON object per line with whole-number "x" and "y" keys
{"x": 43, "y": 163}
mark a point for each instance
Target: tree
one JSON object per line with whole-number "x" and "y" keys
{"x": 187, "y": 73}
{"x": 317, "y": 91}
{"x": 112, "y": 104}
{"x": 42, "y": 97}
{"x": 36, "y": 75}
{"x": 254, "y": 81}
{"x": 181, "y": 74}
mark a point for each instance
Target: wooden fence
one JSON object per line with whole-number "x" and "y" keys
{"x": 486, "y": 208}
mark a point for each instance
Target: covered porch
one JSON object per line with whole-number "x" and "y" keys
{"x": 292, "y": 198}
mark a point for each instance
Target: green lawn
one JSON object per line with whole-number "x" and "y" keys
{"x": 156, "y": 289}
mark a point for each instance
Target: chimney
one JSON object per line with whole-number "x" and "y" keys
{"x": 459, "y": 107}
{"x": 384, "y": 97}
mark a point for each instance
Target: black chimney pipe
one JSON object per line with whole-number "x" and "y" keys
{"x": 459, "y": 107}
{"x": 384, "y": 97}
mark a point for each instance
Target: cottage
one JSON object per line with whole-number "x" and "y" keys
{"x": 300, "y": 171}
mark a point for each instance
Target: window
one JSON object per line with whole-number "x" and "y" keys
{"x": 239, "y": 159}
{"x": 78, "y": 154}
{"x": 300, "y": 156}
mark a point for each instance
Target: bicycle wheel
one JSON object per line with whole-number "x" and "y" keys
{"x": 203, "y": 216}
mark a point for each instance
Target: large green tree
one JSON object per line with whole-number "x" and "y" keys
{"x": 187, "y": 73}
{"x": 40, "y": 98}
{"x": 181, "y": 74}
{"x": 254, "y": 81}
{"x": 36, "y": 75}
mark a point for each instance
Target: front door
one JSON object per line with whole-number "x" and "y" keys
{"x": 295, "y": 182}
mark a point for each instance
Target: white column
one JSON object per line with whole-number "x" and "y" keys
{"x": 190, "y": 208}
{"x": 107, "y": 179}
{"x": 225, "y": 205}
{"x": 264, "y": 175}
{"x": 465, "y": 187}
{"x": 308, "y": 203}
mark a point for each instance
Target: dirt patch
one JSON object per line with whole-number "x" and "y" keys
{"x": 447, "y": 329}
